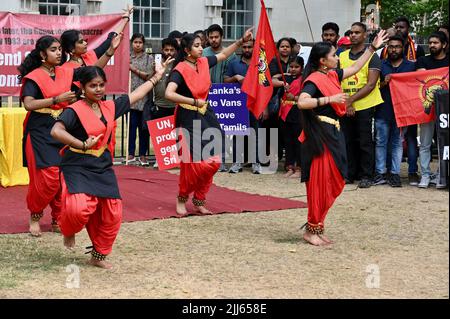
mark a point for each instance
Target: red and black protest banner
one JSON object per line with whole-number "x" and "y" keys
{"x": 413, "y": 95}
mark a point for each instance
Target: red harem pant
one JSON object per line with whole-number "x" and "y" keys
{"x": 197, "y": 177}
{"x": 44, "y": 188}
{"x": 101, "y": 216}
{"x": 324, "y": 186}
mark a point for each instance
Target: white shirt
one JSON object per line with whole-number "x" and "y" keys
{"x": 304, "y": 53}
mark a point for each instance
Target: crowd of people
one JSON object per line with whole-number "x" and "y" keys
{"x": 331, "y": 104}
{"x": 375, "y": 145}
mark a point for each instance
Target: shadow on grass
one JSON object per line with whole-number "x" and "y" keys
{"x": 23, "y": 259}
{"x": 289, "y": 239}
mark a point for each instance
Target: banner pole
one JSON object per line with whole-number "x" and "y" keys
{"x": 307, "y": 19}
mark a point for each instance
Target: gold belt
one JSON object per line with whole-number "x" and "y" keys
{"x": 331, "y": 121}
{"x": 201, "y": 110}
{"x": 287, "y": 102}
{"x": 96, "y": 153}
{"x": 52, "y": 112}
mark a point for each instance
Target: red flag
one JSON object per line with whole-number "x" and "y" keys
{"x": 258, "y": 82}
{"x": 413, "y": 95}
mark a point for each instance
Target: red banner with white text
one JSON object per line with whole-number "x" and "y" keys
{"x": 164, "y": 141}
{"x": 19, "y": 32}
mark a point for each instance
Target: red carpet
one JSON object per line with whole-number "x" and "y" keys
{"x": 147, "y": 194}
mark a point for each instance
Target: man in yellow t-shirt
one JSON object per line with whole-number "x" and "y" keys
{"x": 364, "y": 92}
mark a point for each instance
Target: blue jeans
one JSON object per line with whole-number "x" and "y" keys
{"x": 426, "y": 137}
{"x": 387, "y": 130}
{"x": 136, "y": 123}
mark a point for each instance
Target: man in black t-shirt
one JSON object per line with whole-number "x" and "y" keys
{"x": 438, "y": 58}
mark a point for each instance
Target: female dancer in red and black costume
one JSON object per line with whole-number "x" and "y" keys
{"x": 75, "y": 46}
{"x": 188, "y": 86}
{"x": 323, "y": 159}
{"x": 90, "y": 194}
{"x": 45, "y": 92}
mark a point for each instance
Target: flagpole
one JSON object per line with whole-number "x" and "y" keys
{"x": 307, "y": 19}
{"x": 277, "y": 55}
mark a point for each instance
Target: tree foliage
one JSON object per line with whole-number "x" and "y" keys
{"x": 425, "y": 15}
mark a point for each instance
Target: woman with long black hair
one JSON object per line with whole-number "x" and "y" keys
{"x": 74, "y": 45}
{"x": 323, "y": 161}
{"x": 90, "y": 194}
{"x": 141, "y": 67}
{"x": 188, "y": 86}
{"x": 45, "y": 92}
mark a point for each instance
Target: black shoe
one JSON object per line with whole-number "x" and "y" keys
{"x": 379, "y": 179}
{"x": 394, "y": 180}
{"x": 413, "y": 179}
{"x": 348, "y": 181}
{"x": 365, "y": 183}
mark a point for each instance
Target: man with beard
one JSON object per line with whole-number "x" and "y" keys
{"x": 411, "y": 50}
{"x": 161, "y": 106}
{"x": 237, "y": 69}
{"x": 388, "y": 135}
{"x": 438, "y": 58}
{"x": 364, "y": 92}
{"x": 410, "y": 132}
{"x": 444, "y": 28}
{"x": 330, "y": 33}
{"x": 215, "y": 37}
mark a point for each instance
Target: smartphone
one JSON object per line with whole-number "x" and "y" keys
{"x": 158, "y": 59}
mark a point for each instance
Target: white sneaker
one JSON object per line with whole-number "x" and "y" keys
{"x": 155, "y": 165}
{"x": 256, "y": 168}
{"x": 235, "y": 168}
{"x": 131, "y": 161}
{"x": 424, "y": 182}
{"x": 143, "y": 162}
{"x": 223, "y": 168}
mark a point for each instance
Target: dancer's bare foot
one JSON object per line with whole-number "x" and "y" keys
{"x": 295, "y": 175}
{"x": 99, "y": 263}
{"x": 202, "y": 210}
{"x": 55, "y": 228}
{"x": 181, "y": 208}
{"x": 325, "y": 239}
{"x": 69, "y": 242}
{"x": 35, "y": 228}
{"x": 289, "y": 173}
{"x": 313, "y": 239}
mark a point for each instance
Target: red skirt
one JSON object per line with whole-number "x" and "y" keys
{"x": 324, "y": 186}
